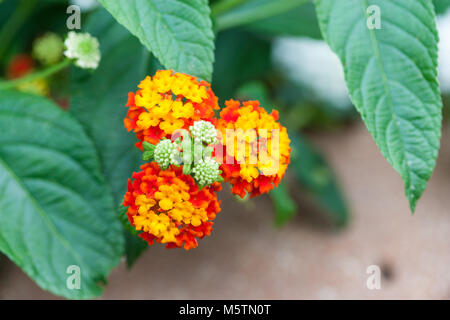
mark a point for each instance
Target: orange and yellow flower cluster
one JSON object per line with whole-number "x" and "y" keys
{"x": 176, "y": 205}
{"x": 168, "y": 207}
{"x": 166, "y": 102}
{"x": 260, "y": 148}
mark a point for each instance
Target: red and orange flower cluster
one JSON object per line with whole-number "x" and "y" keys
{"x": 168, "y": 206}
{"x": 167, "y": 102}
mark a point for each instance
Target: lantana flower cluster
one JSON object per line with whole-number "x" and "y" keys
{"x": 260, "y": 148}
{"x": 189, "y": 154}
{"x": 168, "y": 207}
{"x": 166, "y": 102}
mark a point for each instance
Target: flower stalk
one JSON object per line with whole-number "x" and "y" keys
{"x": 4, "y": 85}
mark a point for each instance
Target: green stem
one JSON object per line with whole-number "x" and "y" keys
{"x": 224, "y": 6}
{"x": 15, "y": 21}
{"x": 37, "y": 75}
{"x": 253, "y": 14}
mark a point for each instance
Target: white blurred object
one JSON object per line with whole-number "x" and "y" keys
{"x": 85, "y": 5}
{"x": 443, "y": 24}
{"x": 311, "y": 63}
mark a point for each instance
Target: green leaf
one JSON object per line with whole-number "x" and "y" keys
{"x": 300, "y": 21}
{"x": 255, "y": 90}
{"x": 441, "y": 6}
{"x": 314, "y": 174}
{"x": 134, "y": 245}
{"x": 99, "y": 98}
{"x": 55, "y": 208}
{"x": 285, "y": 206}
{"x": 147, "y": 156}
{"x": 240, "y": 56}
{"x": 391, "y": 75}
{"x": 254, "y": 10}
{"x": 178, "y": 32}
{"x": 134, "y": 248}
{"x": 148, "y": 146}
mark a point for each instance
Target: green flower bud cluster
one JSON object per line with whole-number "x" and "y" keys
{"x": 204, "y": 131}
{"x": 206, "y": 171}
{"x": 193, "y": 152}
{"x": 165, "y": 153}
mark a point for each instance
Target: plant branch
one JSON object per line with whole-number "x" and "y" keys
{"x": 37, "y": 75}
{"x": 228, "y": 20}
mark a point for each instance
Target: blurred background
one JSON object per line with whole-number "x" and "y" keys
{"x": 341, "y": 207}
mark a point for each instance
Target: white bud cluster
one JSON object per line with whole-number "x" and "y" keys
{"x": 166, "y": 153}
{"x": 204, "y": 131}
{"x": 206, "y": 171}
